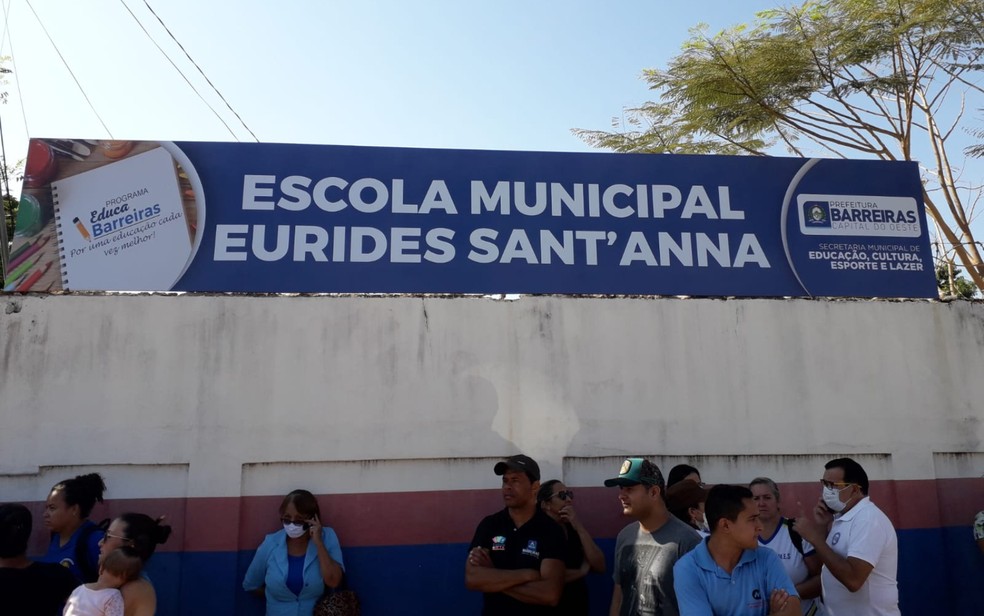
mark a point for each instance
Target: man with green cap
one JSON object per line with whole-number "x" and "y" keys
{"x": 647, "y": 549}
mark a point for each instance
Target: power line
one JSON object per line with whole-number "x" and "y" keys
{"x": 183, "y": 76}
{"x": 3, "y": 148}
{"x": 6, "y": 25}
{"x": 81, "y": 89}
{"x": 13, "y": 60}
{"x": 190, "y": 59}
{"x": 4, "y": 240}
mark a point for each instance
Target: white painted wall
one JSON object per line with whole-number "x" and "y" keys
{"x": 208, "y": 387}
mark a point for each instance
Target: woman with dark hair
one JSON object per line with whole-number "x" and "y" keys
{"x": 686, "y": 501}
{"x": 74, "y": 539}
{"x": 680, "y": 472}
{"x": 293, "y": 566}
{"x": 143, "y": 534}
{"x": 582, "y": 554}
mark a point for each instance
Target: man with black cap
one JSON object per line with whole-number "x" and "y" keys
{"x": 517, "y": 555}
{"x": 647, "y": 549}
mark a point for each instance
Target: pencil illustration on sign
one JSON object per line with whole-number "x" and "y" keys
{"x": 82, "y": 229}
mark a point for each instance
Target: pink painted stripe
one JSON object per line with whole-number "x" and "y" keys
{"x": 959, "y": 500}
{"x": 438, "y": 517}
{"x": 397, "y": 518}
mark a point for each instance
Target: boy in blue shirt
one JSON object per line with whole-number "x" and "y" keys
{"x": 727, "y": 575}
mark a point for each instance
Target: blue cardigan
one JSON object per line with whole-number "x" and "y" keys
{"x": 269, "y": 571}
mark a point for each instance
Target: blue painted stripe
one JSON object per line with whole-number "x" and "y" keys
{"x": 939, "y": 573}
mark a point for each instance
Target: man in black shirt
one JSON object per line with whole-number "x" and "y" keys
{"x": 517, "y": 555}
{"x": 28, "y": 587}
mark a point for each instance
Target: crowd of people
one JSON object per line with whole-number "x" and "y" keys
{"x": 690, "y": 550}
{"x": 88, "y": 569}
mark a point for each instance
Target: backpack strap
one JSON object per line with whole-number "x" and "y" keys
{"x": 796, "y": 538}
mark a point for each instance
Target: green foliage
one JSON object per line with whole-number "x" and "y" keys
{"x": 10, "y": 204}
{"x": 861, "y": 78}
{"x": 9, "y": 218}
{"x": 961, "y": 289}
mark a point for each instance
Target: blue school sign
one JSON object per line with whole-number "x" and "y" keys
{"x": 304, "y": 218}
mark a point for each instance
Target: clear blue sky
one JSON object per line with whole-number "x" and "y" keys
{"x": 451, "y": 74}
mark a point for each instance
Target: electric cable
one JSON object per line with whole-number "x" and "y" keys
{"x": 190, "y": 59}
{"x": 4, "y": 238}
{"x": 81, "y": 89}
{"x": 183, "y": 76}
{"x": 6, "y": 25}
{"x": 13, "y": 61}
{"x": 3, "y": 166}
{"x": 3, "y": 148}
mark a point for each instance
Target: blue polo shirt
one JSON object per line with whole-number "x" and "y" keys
{"x": 705, "y": 589}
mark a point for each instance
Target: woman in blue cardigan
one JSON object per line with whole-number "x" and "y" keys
{"x": 292, "y": 566}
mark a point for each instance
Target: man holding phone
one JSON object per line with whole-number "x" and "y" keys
{"x": 856, "y": 543}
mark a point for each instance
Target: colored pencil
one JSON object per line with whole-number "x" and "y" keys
{"x": 13, "y": 285}
{"x": 27, "y": 284}
{"x": 17, "y": 251}
{"x": 22, "y": 268}
{"x": 40, "y": 239}
{"x": 27, "y": 253}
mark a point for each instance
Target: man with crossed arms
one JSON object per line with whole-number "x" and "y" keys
{"x": 517, "y": 555}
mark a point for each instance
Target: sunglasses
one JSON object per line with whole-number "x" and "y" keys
{"x": 564, "y": 495}
{"x": 303, "y": 523}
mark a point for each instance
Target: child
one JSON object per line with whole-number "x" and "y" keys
{"x": 102, "y": 597}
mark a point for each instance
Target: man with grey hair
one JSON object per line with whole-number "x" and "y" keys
{"x": 647, "y": 549}
{"x": 797, "y": 556}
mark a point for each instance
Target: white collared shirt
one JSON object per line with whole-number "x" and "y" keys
{"x": 866, "y": 533}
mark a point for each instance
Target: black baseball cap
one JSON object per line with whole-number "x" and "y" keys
{"x": 519, "y": 463}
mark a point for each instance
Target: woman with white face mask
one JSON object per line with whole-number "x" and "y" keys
{"x": 293, "y": 565}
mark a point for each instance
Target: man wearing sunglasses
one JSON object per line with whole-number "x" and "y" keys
{"x": 856, "y": 543}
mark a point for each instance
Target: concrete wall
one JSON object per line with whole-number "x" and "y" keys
{"x": 211, "y": 407}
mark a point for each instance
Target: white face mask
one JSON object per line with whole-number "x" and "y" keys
{"x": 294, "y": 530}
{"x": 831, "y": 498}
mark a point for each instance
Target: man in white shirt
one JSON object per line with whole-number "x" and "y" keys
{"x": 856, "y": 543}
